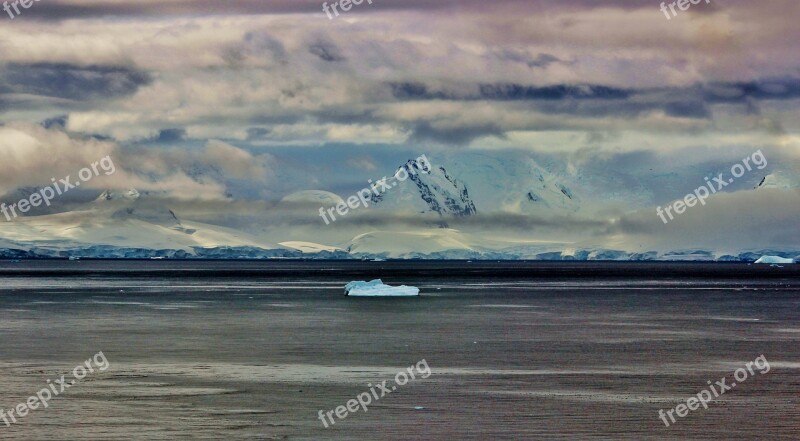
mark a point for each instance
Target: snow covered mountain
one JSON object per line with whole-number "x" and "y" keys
{"x": 430, "y": 190}
{"x": 131, "y": 204}
{"x": 138, "y": 224}
{"x": 471, "y": 183}
{"x": 406, "y": 244}
{"x": 127, "y": 220}
{"x": 780, "y": 181}
{"x": 316, "y": 197}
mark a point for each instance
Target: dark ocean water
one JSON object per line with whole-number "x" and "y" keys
{"x": 253, "y": 350}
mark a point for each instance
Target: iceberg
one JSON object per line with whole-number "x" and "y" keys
{"x": 376, "y": 288}
{"x": 773, "y": 259}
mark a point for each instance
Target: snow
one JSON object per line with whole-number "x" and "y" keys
{"x": 141, "y": 224}
{"x": 376, "y": 288}
{"x": 405, "y": 244}
{"x": 779, "y": 181}
{"x": 469, "y": 182}
{"x": 773, "y": 259}
{"x": 122, "y": 224}
{"x": 314, "y": 197}
{"x": 308, "y": 247}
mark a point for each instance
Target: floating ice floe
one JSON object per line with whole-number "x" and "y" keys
{"x": 376, "y": 288}
{"x": 773, "y": 259}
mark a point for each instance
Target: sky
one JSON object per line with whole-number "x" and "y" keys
{"x": 226, "y": 107}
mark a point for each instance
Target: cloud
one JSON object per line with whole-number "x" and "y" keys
{"x": 70, "y": 9}
{"x": 446, "y": 133}
{"x": 249, "y": 99}
{"x": 252, "y": 72}
{"x": 755, "y": 220}
{"x": 542, "y": 60}
{"x": 362, "y": 163}
{"x": 235, "y": 162}
{"x": 72, "y": 82}
{"x": 171, "y": 135}
{"x": 34, "y": 154}
{"x": 326, "y": 51}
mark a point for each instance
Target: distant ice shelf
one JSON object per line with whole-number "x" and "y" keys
{"x": 773, "y": 259}
{"x": 376, "y": 288}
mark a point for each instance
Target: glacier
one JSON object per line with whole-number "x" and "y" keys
{"x": 773, "y": 259}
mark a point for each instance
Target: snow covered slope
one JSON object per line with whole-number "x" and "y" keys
{"x": 774, "y": 259}
{"x": 470, "y": 183}
{"x": 427, "y": 190}
{"x": 780, "y": 181}
{"x": 308, "y": 247}
{"x": 127, "y": 219}
{"x": 410, "y": 244}
{"x": 314, "y": 197}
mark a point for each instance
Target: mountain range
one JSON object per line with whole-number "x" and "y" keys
{"x": 139, "y": 224}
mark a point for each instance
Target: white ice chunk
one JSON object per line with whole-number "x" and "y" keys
{"x": 773, "y": 259}
{"x": 376, "y": 288}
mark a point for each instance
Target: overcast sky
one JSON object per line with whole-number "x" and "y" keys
{"x": 267, "y": 97}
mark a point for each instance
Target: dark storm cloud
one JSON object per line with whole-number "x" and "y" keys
{"x": 514, "y": 92}
{"x": 326, "y": 51}
{"x": 65, "y": 9}
{"x": 58, "y": 122}
{"x": 79, "y": 83}
{"x": 70, "y": 9}
{"x": 256, "y": 133}
{"x": 171, "y": 135}
{"x": 418, "y": 91}
{"x": 256, "y": 45}
{"x": 593, "y": 100}
{"x": 687, "y": 109}
{"x": 743, "y": 92}
{"x": 511, "y": 92}
{"x": 424, "y": 131}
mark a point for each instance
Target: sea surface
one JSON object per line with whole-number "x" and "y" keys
{"x": 254, "y": 350}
